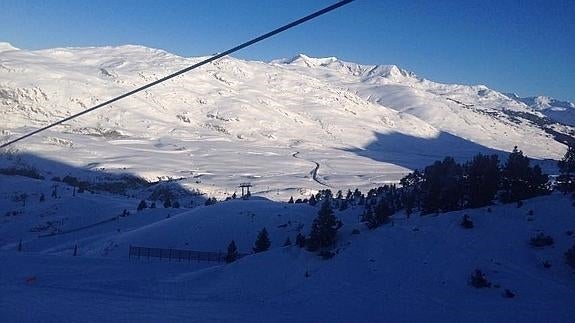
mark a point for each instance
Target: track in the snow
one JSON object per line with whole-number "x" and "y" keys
{"x": 314, "y": 172}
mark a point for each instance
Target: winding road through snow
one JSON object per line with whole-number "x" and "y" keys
{"x": 314, "y": 172}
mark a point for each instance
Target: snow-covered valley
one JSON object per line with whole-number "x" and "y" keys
{"x": 235, "y": 121}
{"x": 289, "y": 128}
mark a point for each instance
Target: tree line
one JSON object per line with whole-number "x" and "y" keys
{"x": 448, "y": 186}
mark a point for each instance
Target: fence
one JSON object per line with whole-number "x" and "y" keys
{"x": 177, "y": 254}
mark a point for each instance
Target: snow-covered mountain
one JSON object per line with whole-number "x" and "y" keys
{"x": 561, "y": 111}
{"x": 543, "y": 102}
{"x": 288, "y": 125}
{"x": 4, "y": 46}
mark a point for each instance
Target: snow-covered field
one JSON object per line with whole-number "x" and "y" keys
{"x": 290, "y": 127}
{"x": 271, "y": 124}
{"x": 412, "y": 269}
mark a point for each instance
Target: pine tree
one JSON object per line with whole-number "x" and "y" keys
{"x": 567, "y": 164}
{"x": 408, "y": 200}
{"x": 290, "y": 200}
{"x": 566, "y": 181}
{"x": 514, "y": 174}
{"x": 142, "y": 205}
{"x": 367, "y": 215}
{"x": 343, "y": 205}
{"x": 167, "y": 203}
{"x": 411, "y": 191}
{"x": 262, "y": 242}
{"x": 478, "y": 280}
{"x": 232, "y": 254}
{"x": 519, "y": 180}
{"x": 312, "y": 200}
{"x": 466, "y": 222}
{"x": 442, "y": 188}
{"x": 379, "y": 215}
{"x": 326, "y": 194}
{"x": 300, "y": 240}
{"x": 538, "y": 182}
{"x": 361, "y": 200}
{"x": 482, "y": 177}
{"x": 324, "y": 228}
{"x": 349, "y": 195}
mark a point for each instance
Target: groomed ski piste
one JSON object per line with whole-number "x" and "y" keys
{"x": 290, "y": 127}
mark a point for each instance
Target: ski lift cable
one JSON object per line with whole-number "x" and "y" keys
{"x": 187, "y": 69}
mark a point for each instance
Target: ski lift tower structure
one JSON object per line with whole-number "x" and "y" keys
{"x": 246, "y": 189}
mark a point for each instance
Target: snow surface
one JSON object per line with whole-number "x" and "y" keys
{"x": 412, "y": 269}
{"x": 562, "y": 111}
{"x": 237, "y": 121}
{"x": 4, "y": 47}
{"x": 290, "y": 127}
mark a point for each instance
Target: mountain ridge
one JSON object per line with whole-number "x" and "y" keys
{"x": 326, "y": 109}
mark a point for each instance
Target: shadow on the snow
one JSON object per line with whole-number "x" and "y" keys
{"x": 93, "y": 179}
{"x": 416, "y": 153}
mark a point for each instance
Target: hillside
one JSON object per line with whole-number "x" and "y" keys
{"x": 361, "y": 125}
{"x": 162, "y": 169}
{"x": 561, "y": 111}
{"x": 407, "y": 270}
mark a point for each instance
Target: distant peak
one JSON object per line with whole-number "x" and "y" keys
{"x": 5, "y": 47}
{"x": 303, "y": 59}
{"x": 389, "y": 71}
{"x": 299, "y": 56}
{"x": 542, "y": 102}
{"x": 513, "y": 96}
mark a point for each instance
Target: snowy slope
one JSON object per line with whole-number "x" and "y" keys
{"x": 4, "y": 47}
{"x": 408, "y": 270}
{"x": 476, "y": 113}
{"x": 289, "y": 126}
{"x": 562, "y": 111}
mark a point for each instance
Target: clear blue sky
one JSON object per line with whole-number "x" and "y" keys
{"x": 527, "y": 47}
